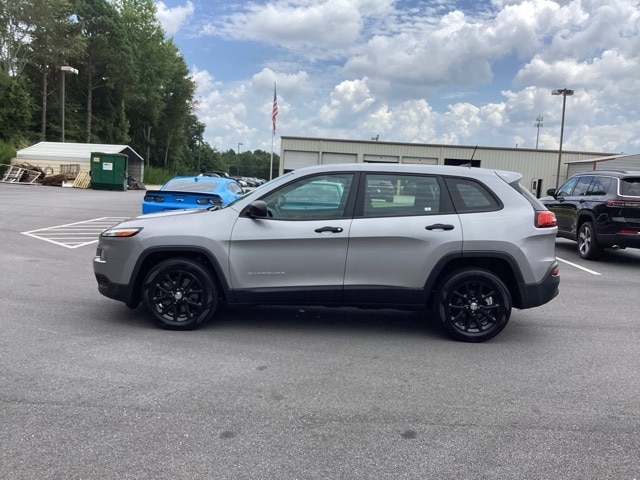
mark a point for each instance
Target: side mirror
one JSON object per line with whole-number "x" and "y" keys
{"x": 256, "y": 209}
{"x": 551, "y": 192}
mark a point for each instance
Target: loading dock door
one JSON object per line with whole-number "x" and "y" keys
{"x": 333, "y": 158}
{"x": 420, "y": 161}
{"x": 381, "y": 159}
{"x": 294, "y": 159}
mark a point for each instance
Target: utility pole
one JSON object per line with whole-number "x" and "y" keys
{"x": 538, "y": 125}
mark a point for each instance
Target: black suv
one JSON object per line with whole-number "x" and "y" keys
{"x": 598, "y": 209}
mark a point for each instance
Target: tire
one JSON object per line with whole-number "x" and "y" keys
{"x": 180, "y": 294}
{"x": 588, "y": 246}
{"x": 474, "y": 305}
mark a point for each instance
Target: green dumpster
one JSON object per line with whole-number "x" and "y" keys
{"x": 109, "y": 171}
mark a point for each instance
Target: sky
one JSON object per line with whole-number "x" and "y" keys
{"x": 472, "y": 72}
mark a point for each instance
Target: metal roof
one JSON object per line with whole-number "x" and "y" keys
{"x": 602, "y": 159}
{"x": 72, "y": 151}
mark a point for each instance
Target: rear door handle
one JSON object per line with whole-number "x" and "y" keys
{"x": 440, "y": 226}
{"x": 329, "y": 229}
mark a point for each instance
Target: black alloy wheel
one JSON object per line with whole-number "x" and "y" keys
{"x": 588, "y": 246}
{"x": 474, "y": 305}
{"x": 180, "y": 294}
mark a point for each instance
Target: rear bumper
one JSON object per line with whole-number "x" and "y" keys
{"x": 543, "y": 292}
{"x": 620, "y": 239}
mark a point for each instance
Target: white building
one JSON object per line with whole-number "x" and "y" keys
{"x": 538, "y": 167}
{"x": 57, "y": 157}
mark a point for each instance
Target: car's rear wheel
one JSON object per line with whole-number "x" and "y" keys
{"x": 474, "y": 305}
{"x": 180, "y": 294}
{"x": 588, "y": 246}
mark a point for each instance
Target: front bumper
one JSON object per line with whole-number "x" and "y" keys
{"x": 115, "y": 291}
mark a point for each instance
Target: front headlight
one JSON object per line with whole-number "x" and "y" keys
{"x": 120, "y": 232}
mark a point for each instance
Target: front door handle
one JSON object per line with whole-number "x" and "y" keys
{"x": 439, "y": 226}
{"x": 329, "y": 229}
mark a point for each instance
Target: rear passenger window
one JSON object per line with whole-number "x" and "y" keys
{"x": 471, "y": 196}
{"x": 582, "y": 186}
{"x": 389, "y": 195}
{"x": 600, "y": 186}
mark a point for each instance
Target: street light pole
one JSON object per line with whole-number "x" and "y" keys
{"x": 64, "y": 69}
{"x": 564, "y": 92}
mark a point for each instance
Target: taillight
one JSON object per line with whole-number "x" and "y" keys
{"x": 628, "y": 231}
{"x": 622, "y": 203}
{"x": 545, "y": 218}
{"x": 208, "y": 201}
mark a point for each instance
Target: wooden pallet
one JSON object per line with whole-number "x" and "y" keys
{"x": 83, "y": 180}
{"x": 20, "y": 175}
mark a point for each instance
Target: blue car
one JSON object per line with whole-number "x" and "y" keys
{"x": 192, "y": 192}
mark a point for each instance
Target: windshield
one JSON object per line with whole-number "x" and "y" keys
{"x": 190, "y": 185}
{"x": 259, "y": 189}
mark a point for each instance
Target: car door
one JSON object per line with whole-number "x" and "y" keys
{"x": 562, "y": 205}
{"x": 394, "y": 245}
{"x": 577, "y": 201}
{"x": 298, "y": 253}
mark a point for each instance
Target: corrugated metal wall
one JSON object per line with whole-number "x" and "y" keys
{"x": 537, "y": 166}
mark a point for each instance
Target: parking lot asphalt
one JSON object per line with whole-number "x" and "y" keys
{"x": 91, "y": 390}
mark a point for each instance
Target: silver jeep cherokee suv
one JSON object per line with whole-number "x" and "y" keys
{"x": 467, "y": 244}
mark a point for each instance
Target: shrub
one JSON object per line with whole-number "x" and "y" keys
{"x": 7, "y": 152}
{"x": 156, "y": 175}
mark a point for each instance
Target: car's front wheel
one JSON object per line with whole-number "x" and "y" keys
{"x": 473, "y": 304}
{"x": 180, "y": 294}
{"x": 588, "y": 246}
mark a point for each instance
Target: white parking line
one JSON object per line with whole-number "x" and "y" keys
{"x": 74, "y": 235}
{"x": 578, "y": 266}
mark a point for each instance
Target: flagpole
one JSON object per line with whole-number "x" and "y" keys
{"x": 271, "y": 164}
{"x": 274, "y": 114}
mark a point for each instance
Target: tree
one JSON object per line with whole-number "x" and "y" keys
{"x": 53, "y": 40}
{"x": 133, "y": 85}
{"x": 15, "y": 107}
{"x": 104, "y": 60}
{"x": 144, "y": 95}
{"x": 15, "y": 30}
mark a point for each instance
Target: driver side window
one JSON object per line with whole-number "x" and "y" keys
{"x": 567, "y": 187}
{"x": 311, "y": 198}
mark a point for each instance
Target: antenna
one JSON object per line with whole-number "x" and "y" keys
{"x": 474, "y": 152}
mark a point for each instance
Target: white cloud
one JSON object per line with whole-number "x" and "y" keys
{"x": 172, "y": 19}
{"x": 354, "y": 69}
{"x": 317, "y": 25}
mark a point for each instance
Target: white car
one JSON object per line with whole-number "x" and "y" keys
{"x": 466, "y": 244}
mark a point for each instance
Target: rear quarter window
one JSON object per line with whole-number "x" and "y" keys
{"x": 630, "y": 187}
{"x": 471, "y": 196}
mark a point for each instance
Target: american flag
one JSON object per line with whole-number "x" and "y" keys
{"x": 274, "y": 112}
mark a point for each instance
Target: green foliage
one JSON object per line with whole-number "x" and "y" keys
{"x": 133, "y": 85}
{"x": 15, "y": 107}
{"x": 7, "y": 152}
{"x": 156, "y": 176}
{"x": 251, "y": 164}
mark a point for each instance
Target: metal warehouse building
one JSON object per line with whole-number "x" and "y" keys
{"x": 538, "y": 167}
